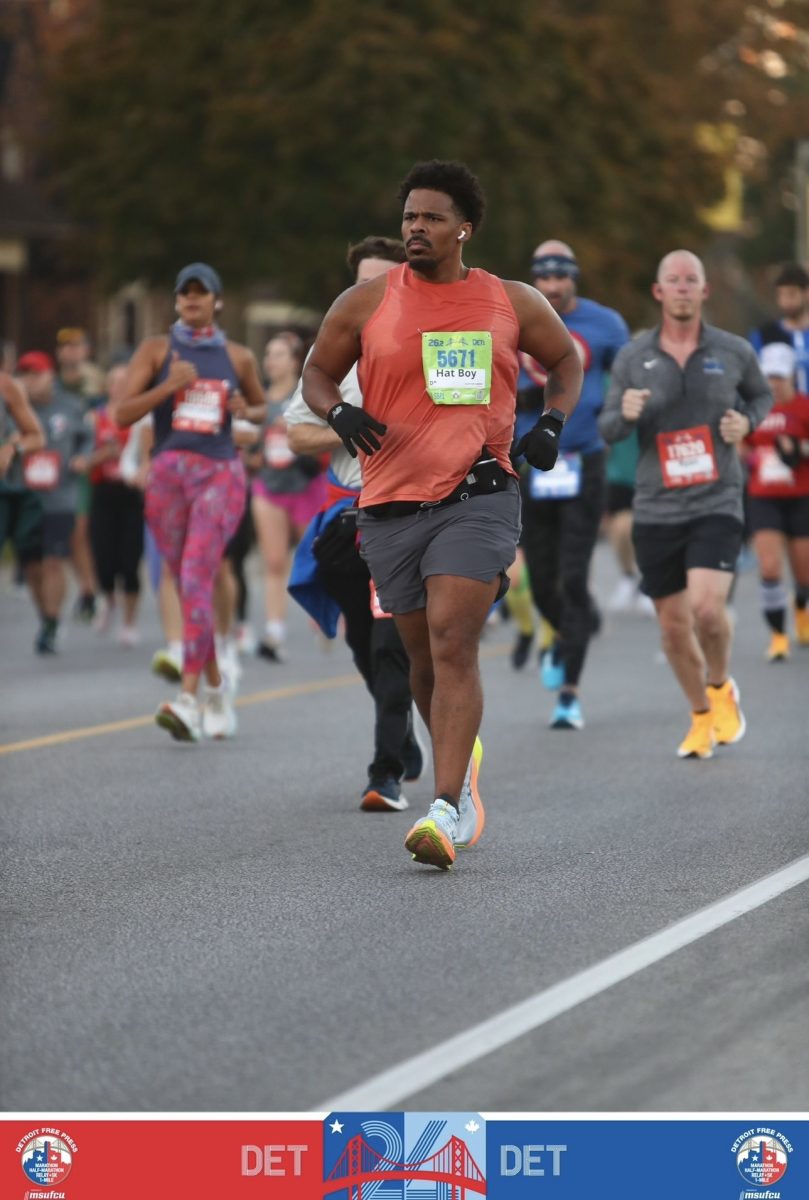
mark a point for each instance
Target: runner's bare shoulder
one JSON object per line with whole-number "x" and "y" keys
{"x": 524, "y": 298}
{"x": 356, "y": 305}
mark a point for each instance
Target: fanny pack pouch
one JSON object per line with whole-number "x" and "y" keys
{"x": 486, "y": 476}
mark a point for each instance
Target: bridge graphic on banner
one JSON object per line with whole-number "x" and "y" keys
{"x": 451, "y": 1173}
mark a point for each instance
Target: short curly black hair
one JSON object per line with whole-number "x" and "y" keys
{"x": 455, "y": 180}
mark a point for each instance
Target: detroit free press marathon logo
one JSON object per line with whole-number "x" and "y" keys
{"x": 762, "y": 1158}
{"x": 46, "y": 1156}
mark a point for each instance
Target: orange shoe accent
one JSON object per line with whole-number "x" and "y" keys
{"x": 729, "y": 724}
{"x": 429, "y": 845}
{"x": 778, "y": 649}
{"x": 699, "y": 742}
{"x": 802, "y": 626}
{"x": 477, "y": 803}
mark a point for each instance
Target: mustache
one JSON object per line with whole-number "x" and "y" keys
{"x": 418, "y": 241}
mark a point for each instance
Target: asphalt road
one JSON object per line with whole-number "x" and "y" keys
{"x": 219, "y": 928}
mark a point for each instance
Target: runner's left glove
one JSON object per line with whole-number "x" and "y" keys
{"x": 356, "y": 428}
{"x": 540, "y": 445}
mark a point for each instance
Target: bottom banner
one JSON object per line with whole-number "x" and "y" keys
{"x": 404, "y": 1156}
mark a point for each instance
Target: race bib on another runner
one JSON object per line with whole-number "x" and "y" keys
{"x": 458, "y": 366}
{"x": 200, "y": 408}
{"x": 377, "y": 611}
{"x": 687, "y": 457}
{"x": 277, "y": 453}
{"x": 772, "y": 469}
{"x": 41, "y": 470}
{"x": 560, "y": 483}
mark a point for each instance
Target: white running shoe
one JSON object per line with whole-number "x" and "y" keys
{"x": 167, "y": 665}
{"x": 181, "y": 717}
{"x": 624, "y": 596}
{"x": 230, "y": 667}
{"x": 644, "y": 605}
{"x": 103, "y": 617}
{"x": 218, "y": 715}
{"x": 246, "y": 640}
{"x": 128, "y": 636}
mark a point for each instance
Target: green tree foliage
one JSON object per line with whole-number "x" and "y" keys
{"x": 265, "y": 136}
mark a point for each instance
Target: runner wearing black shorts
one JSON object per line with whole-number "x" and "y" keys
{"x": 778, "y": 500}
{"x": 693, "y": 392}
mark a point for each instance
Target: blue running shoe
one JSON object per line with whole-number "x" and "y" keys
{"x": 567, "y": 715}
{"x": 432, "y": 839}
{"x": 471, "y": 816}
{"x": 551, "y": 671}
{"x": 383, "y": 795}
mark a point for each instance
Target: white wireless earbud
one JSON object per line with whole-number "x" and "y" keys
{"x": 461, "y": 236}
{"x": 218, "y": 306}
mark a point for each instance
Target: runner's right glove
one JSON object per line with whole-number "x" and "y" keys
{"x": 356, "y": 428}
{"x": 540, "y": 445}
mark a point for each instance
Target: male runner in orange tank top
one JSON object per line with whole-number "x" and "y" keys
{"x": 440, "y": 511}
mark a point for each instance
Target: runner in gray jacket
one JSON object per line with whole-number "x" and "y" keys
{"x": 693, "y": 392}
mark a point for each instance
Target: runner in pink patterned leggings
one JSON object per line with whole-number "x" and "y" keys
{"x": 193, "y": 382}
{"x": 193, "y": 506}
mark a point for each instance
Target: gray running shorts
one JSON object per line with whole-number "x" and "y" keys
{"x": 475, "y": 538}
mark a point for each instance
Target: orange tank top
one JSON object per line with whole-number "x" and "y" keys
{"x": 439, "y": 367}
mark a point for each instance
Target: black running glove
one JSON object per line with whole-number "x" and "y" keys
{"x": 540, "y": 445}
{"x": 355, "y": 428}
{"x": 788, "y": 451}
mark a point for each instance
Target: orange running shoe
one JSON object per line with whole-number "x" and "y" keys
{"x": 699, "y": 742}
{"x": 471, "y": 816}
{"x": 729, "y": 724}
{"x": 778, "y": 649}
{"x": 802, "y": 626}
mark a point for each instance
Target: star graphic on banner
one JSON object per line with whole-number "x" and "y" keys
{"x": 336, "y": 1126}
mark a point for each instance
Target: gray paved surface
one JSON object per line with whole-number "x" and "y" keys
{"x": 219, "y": 927}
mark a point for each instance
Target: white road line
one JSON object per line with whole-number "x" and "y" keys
{"x": 388, "y": 1089}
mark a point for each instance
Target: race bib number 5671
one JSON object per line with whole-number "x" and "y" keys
{"x": 458, "y": 366}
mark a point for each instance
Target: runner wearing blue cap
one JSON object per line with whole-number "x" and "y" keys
{"x": 195, "y": 380}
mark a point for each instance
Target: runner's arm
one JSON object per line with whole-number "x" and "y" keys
{"x": 84, "y": 443}
{"x": 754, "y": 393}
{"x": 306, "y": 433}
{"x": 612, "y": 424}
{"x": 312, "y": 439}
{"x": 29, "y": 435}
{"x": 247, "y": 371}
{"x": 139, "y": 398}
{"x": 337, "y": 346}
{"x": 543, "y": 335}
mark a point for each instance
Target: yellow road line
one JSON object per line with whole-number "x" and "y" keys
{"x": 76, "y": 735}
{"x": 295, "y": 689}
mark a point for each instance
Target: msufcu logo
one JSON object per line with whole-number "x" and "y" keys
{"x": 762, "y": 1157}
{"x": 391, "y": 1156}
{"x": 46, "y": 1156}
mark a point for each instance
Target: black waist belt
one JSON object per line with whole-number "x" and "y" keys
{"x": 479, "y": 482}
